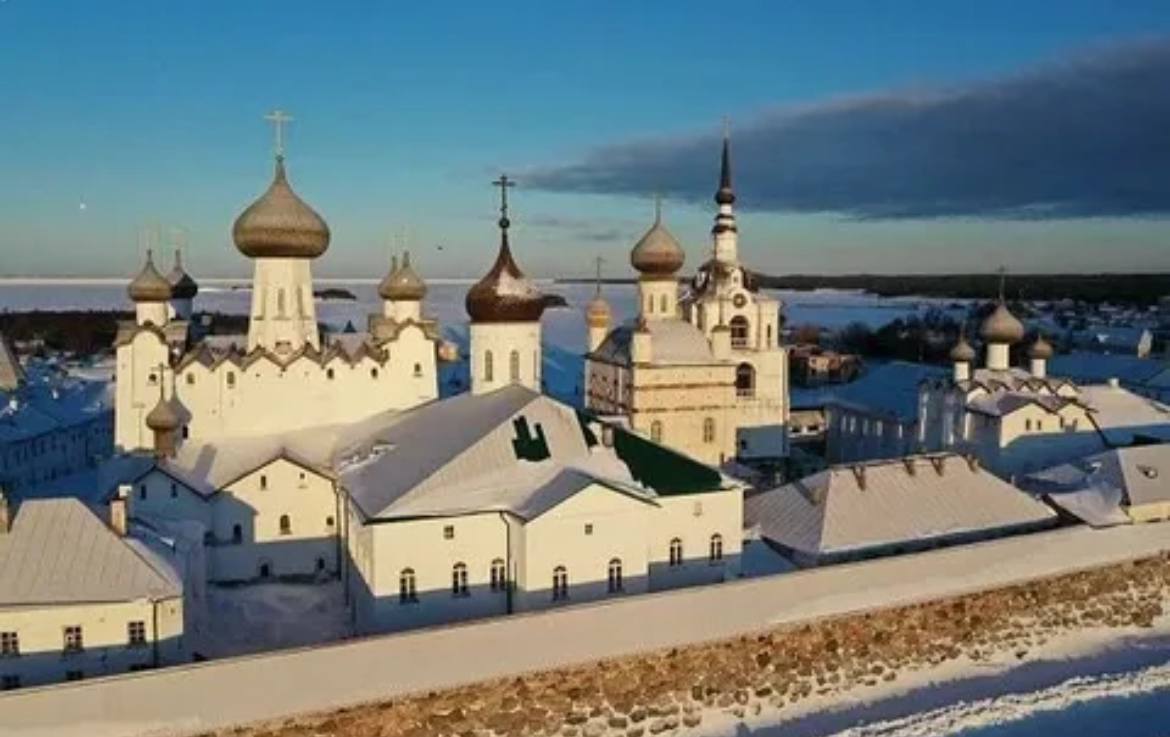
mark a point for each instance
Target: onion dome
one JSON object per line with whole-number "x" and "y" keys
{"x": 598, "y": 313}
{"x": 402, "y": 284}
{"x": 504, "y": 294}
{"x": 280, "y": 224}
{"x": 1041, "y": 349}
{"x": 962, "y": 352}
{"x": 182, "y": 285}
{"x": 657, "y": 253}
{"x": 164, "y": 417}
{"x": 1001, "y": 326}
{"x": 149, "y": 285}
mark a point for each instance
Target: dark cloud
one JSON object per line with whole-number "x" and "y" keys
{"x": 1088, "y": 136}
{"x": 579, "y": 228}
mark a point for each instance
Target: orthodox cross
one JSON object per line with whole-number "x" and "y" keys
{"x": 1002, "y": 279}
{"x": 503, "y": 183}
{"x": 597, "y": 265}
{"x": 657, "y": 207}
{"x": 279, "y": 118}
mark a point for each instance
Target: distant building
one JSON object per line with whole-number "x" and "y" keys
{"x": 705, "y": 374}
{"x": 80, "y": 598}
{"x": 51, "y": 425}
{"x": 876, "y": 416}
{"x": 1118, "y": 486}
{"x": 811, "y": 366}
{"x": 859, "y": 511}
{"x": 1114, "y": 340}
{"x": 1145, "y": 376}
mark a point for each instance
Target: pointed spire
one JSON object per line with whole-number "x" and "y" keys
{"x": 725, "y": 195}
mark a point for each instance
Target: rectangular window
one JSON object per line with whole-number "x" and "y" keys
{"x": 449, "y": 532}
{"x": 588, "y": 528}
{"x": 136, "y": 633}
{"x": 73, "y": 640}
{"x": 9, "y": 644}
{"x": 263, "y": 482}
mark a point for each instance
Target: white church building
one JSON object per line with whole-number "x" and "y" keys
{"x": 704, "y": 373}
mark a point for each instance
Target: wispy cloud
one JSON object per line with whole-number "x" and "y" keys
{"x": 1085, "y": 136}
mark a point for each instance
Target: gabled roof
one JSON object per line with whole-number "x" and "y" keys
{"x": 59, "y": 552}
{"x": 1124, "y": 417}
{"x": 889, "y": 390}
{"x": 673, "y": 341}
{"x": 1094, "y": 488}
{"x": 847, "y": 509}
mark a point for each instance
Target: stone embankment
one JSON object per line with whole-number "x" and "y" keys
{"x": 675, "y": 690}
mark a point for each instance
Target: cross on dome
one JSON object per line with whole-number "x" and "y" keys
{"x": 279, "y": 119}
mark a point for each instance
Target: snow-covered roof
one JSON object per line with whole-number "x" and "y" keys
{"x": 47, "y": 402}
{"x": 1003, "y": 403}
{"x": 59, "y": 552}
{"x": 1123, "y": 416}
{"x": 1096, "y": 487}
{"x": 889, "y": 389}
{"x": 672, "y": 341}
{"x": 849, "y": 509}
{"x": 1100, "y": 367}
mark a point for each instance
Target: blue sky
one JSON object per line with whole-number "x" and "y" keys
{"x": 151, "y": 112}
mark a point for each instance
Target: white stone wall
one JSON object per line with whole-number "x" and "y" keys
{"x": 284, "y": 313}
{"x": 137, "y": 388}
{"x": 504, "y": 353}
{"x": 105, "y": 639}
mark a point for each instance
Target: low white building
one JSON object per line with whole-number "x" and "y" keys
{"x": 79, "y": 598}
{"x": 891, "y": 507}
{"x": 1119, "y": 486}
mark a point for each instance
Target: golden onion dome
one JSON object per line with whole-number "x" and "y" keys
{"x": 657, "y": 253}
{"x": 164, "y": 417}
{"x": 598, "y": 312}
{"x": 962, "y": 352}
{"x": 504, "y": 294}
{"x": 149, "y": 285}
{"x": 1041, "y": 349}
{"x": 1001, "y": 326}
{"x": 279, "y": 224}
{"x": 402, "y": 284}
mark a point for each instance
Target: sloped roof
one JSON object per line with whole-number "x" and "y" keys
{"x": 853, "y": 508}
{"x": 889, "y": 389}
{"x": 1099, "y": 367}
{"x": 1123, "y": 416}
{"x": 59, "y": 552}
{"x": 672, "y": 341}
{"x": 1094, "y": 488}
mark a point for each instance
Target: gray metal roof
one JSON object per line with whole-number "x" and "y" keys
{"x": 673, "y": 341}
{"x": 889, "y": 390}
{"x": 852, "y": 508}
{"x": 1096, "y": 487}
{"x": 59, "y": 552}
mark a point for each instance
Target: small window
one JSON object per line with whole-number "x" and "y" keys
{"x": 9, "y": 682}
{"x": 373, "y": 373}
{"x": 190, "y": 379}
{"x": 320, "y": 564}
{"x": 418, "y": 370}
{"x": 9, "y": 644}
{"x": 448, "y": 532}
{"x": 406, "y": 586}
{"x": 615, "y": 576}
{"x": 285, "y": 525}
{"x": 498, "y": 575}
{"x": 263, "y": 482}
{"x": 588, "y": 528}
{"x": 329, "y": 521}
{"x": 174, "y": 490}
{"x": 73, "y": 641}
{"x": 265, "y": 570}
{"x": 488, "y": 369}
{"x": 514, "y": 366}
{"x": 142, "y": 491}
{"x": 231, "y": 379}
{"x": 656, "y": 431}
{"x": 676, "y": 552}
{"x": 136, "y": 633}
{"x": 698, "y": 509}
{"x": 560, "y": 586}
{"x": 709, "y": 430}
{"x": 329, "y": 374}
{"x": 237, "y": 534}
{"x": 459, "y": 580}
{"x": 1028, "y": 425}
{"x": 740, "y": 331}
{"x": 716, "y": 553}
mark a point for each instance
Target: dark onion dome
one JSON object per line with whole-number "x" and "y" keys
{"x": 504, "y": 294}
{"x": 279, "y": 224}
{"x": 1040, "y": 349}
{"x": 962, "y": 352}
{"x": 725, "y": 195}
{"x": 149, "y": 285}
{"x": 657, "y": 253}
{"x": 403, "y": 284}
{"x": 163, "y": 418}
{"x": 182, "y": 285}
{"x": 598, "y": 313}
{"x": 1001, "y": 326}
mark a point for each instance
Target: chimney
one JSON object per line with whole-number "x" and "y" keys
{"x": 118, "y": 510}
{"x": 5, "y": 514}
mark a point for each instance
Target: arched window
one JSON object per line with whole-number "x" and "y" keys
{"x": 514, "y": 366}
{"x": 656, "y": 431}
{"x": 488, "y": 370}
{"x": 769, "y": 329}
{"x": 615, "y": 575}
{"x": 740, "y": 330}
{"x": 237, "y": 534}
{"x": 320, "y": 564}
{"x": 285, "y": 525}
{"x": 499, "y": 578}
{"x": 1028, "y": 425}
{"x": 231, "y": 379}
{"x": 373, "y": 373}
{"x": 560, "y": 584}
{"x": 418, "y": 370}
{"x": 676, "y": 552}
{"x": 265, "y": 569}
{"x": 329, "y": 374}
{"x": 459, "y": 580}
{"x": 406, "y": 587}
{"x": 745, "y": 380}
{"x": 709, "y": 430}
{"x": 716, "y": 552}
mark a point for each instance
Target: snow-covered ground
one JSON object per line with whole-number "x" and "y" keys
{"x": 273, "y": 616}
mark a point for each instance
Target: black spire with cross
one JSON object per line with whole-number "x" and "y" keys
{"x": 504, "y": 183}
